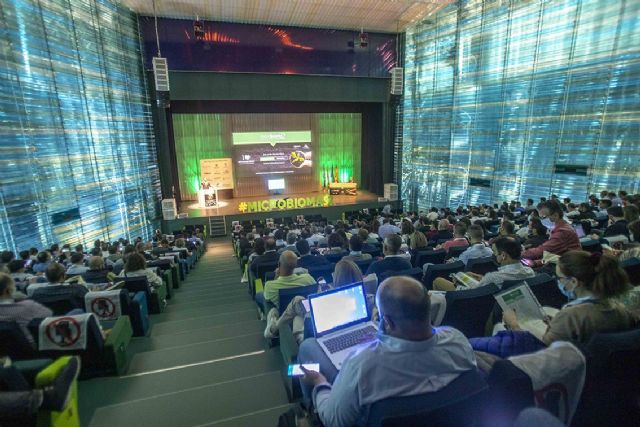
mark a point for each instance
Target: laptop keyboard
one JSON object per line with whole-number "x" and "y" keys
{"x": 350, "y": 339}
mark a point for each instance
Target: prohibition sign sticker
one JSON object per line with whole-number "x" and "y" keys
{"x": 64, "y": 331}
{"x": 103, "y": 307}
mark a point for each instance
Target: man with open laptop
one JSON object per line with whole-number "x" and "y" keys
{"x": 408, "y": 356}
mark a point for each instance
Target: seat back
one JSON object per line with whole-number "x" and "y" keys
{"x": 546, "y": 291}
{"x": 364, "y": 264}
{"x": 455, "y": 251}
{"x": 440, "y": 270}
{"x": 632, "y": 267}
{"x": 139, "y": 314}
{"x": 457, "y": 404}
{"x": 416, "y": 273}
{"x": 591, "y": 246}
{"x": 335, "y": 257}
{"x": 416, "y": 252}
{"x": 287, "y": 294}
{"x": 325, "y": 271}
{"x": 373, "y": 252}
{"x": 482, "y": 265}
{"x": 510, "y": 391}
{"x": 263, "y": 268}
{"x": 612, "y": 385}
{"x": 95, "y": 341}
{"x": 468, "y": 310}
{"x": 61, "y": 299}
{"x": 137, "y": 284}
{"x": 433, "y": 257}
{"x": 14, "y": 343}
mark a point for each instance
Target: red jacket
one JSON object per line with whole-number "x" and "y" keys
{"x": 563, "y": 238}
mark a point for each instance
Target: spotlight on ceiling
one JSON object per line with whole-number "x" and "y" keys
{"x": 198, "y": 29}
{"x": 364, "y": 39}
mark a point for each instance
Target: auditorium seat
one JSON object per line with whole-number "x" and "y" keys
{"x": 416, "y": 273}
{"x": 457, "y": 404}
{"x": 611, "y": 394}
{"x": 469, "y": 310}
{"x": 13, "y": 342}
{"x": 510, "y": 391}
{"x": 591, "y": 246}
{"x": 481, "y": 265}
{"x": 141, "y": 284}
{"x": 440, "y": 270}
{"x": 432, "y": 257}
{"x": 364, "y": 264}
{"x": 102, "y": 356}
{"x": 60, "y": 299}
{"x": 324, "y": 271}
{"x": 455, "y": 251}
{"x": 632, "y": 267}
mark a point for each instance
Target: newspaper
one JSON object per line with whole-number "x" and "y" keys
{"x": 531, "y": 315}
{"x": 465, "y": 280}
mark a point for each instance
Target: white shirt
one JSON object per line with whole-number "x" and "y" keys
{"x": 386, "y": 229}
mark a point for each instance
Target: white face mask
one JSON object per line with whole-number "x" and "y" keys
{"x": 548, "y": 223}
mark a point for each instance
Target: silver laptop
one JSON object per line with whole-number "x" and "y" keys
{"x": 341, "y": 321}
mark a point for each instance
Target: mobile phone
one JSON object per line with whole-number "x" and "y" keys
{"x": 526, "y": 262}
{"x": 305, "y": 304}
{"x": 294, "y": 369}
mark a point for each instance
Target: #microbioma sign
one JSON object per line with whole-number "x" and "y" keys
{"x": 285, "y": 204}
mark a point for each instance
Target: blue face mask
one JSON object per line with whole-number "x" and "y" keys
{"x": 547, "y": 223}
{"x": 571, "y": 295}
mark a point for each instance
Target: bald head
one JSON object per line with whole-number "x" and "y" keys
{"x": 288, "y": 262}
{"x": 404, "y": 305}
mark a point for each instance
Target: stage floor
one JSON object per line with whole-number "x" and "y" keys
{"x": 230, "y": 207}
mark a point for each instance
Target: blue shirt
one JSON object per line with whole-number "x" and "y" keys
{"x": 386, "y": 229}
{"x": 392, "y": 367}
{"x": 477, "y": 250}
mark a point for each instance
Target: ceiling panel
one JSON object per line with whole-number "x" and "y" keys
{"x": 369, "y": 15}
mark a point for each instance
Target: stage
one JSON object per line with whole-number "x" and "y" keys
{"x": 274, "y": 206}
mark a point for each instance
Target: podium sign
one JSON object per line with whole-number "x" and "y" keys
{"x": 208, "y": 198}
{"x": 218, "y": 172}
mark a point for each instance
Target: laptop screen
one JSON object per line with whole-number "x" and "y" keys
{"x": 338, "y": 308}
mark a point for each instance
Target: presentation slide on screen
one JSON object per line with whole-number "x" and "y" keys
{"x": 272, "y": 153}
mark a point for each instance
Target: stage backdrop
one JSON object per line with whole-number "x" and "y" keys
{"x": 336, "y": 142}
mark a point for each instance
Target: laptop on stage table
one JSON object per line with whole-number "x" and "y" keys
{"x": 341, "y": 321}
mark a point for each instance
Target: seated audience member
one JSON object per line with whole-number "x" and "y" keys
{"x": 585, "y": 212}
{"x": 279, "y": 236}
{"x": 631, "y": 213}
{"x": 291, "y": 243}
{"x": 56, "y": 277}
{"x": 373, "y": 229}
{"x": 17, "y": 273}
{"x": 180, "y": 245}
{"x": 346, "y": 272}
{"x": 270, "y": 255}
{"x": 507, "y": 252}
{"x": 406, "y": 230}
{"x": 316, "y": 236}
{"x": 355, "y": 244}
{"x": 285, "y": 278}
{"x": 369, "y": 243}
{"x": 393, "y": 259}
{"x": 618, "y": 223}
{"x": 43, "y": 259}
{"x": 536, "y": 235}
{"x": 507, "y": 229}
{"x": 324, "y": 240}
{"x": 136, "y": 266}
{"x": 21, "y": 311}
{"x": 6, "y": 257}
{"x": 307, "y": 259}
{"x": 417, "y": 241}
{"x": 335, "y": 244}
{"x": 562, "y": 238}
{"x": 589, "y": 281}
{"x": 97, "y": 272}
{"x": 408, "y": 357}
{"x": 387, "y": 228}
{"x": 443, "y": 233}
{"x": 77, "y": 266}
{"x": 26, "y": 403}
{"x": 258, "y": 249}
{"x": 477, "y": 247}
{"x": 459, "y": 231}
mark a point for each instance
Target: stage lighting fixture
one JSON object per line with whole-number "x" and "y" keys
{"x": 198, "y": 30}
{"x": 364, "y": 39}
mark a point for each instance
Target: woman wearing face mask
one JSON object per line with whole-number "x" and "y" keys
{"x": 591, "y": 282}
